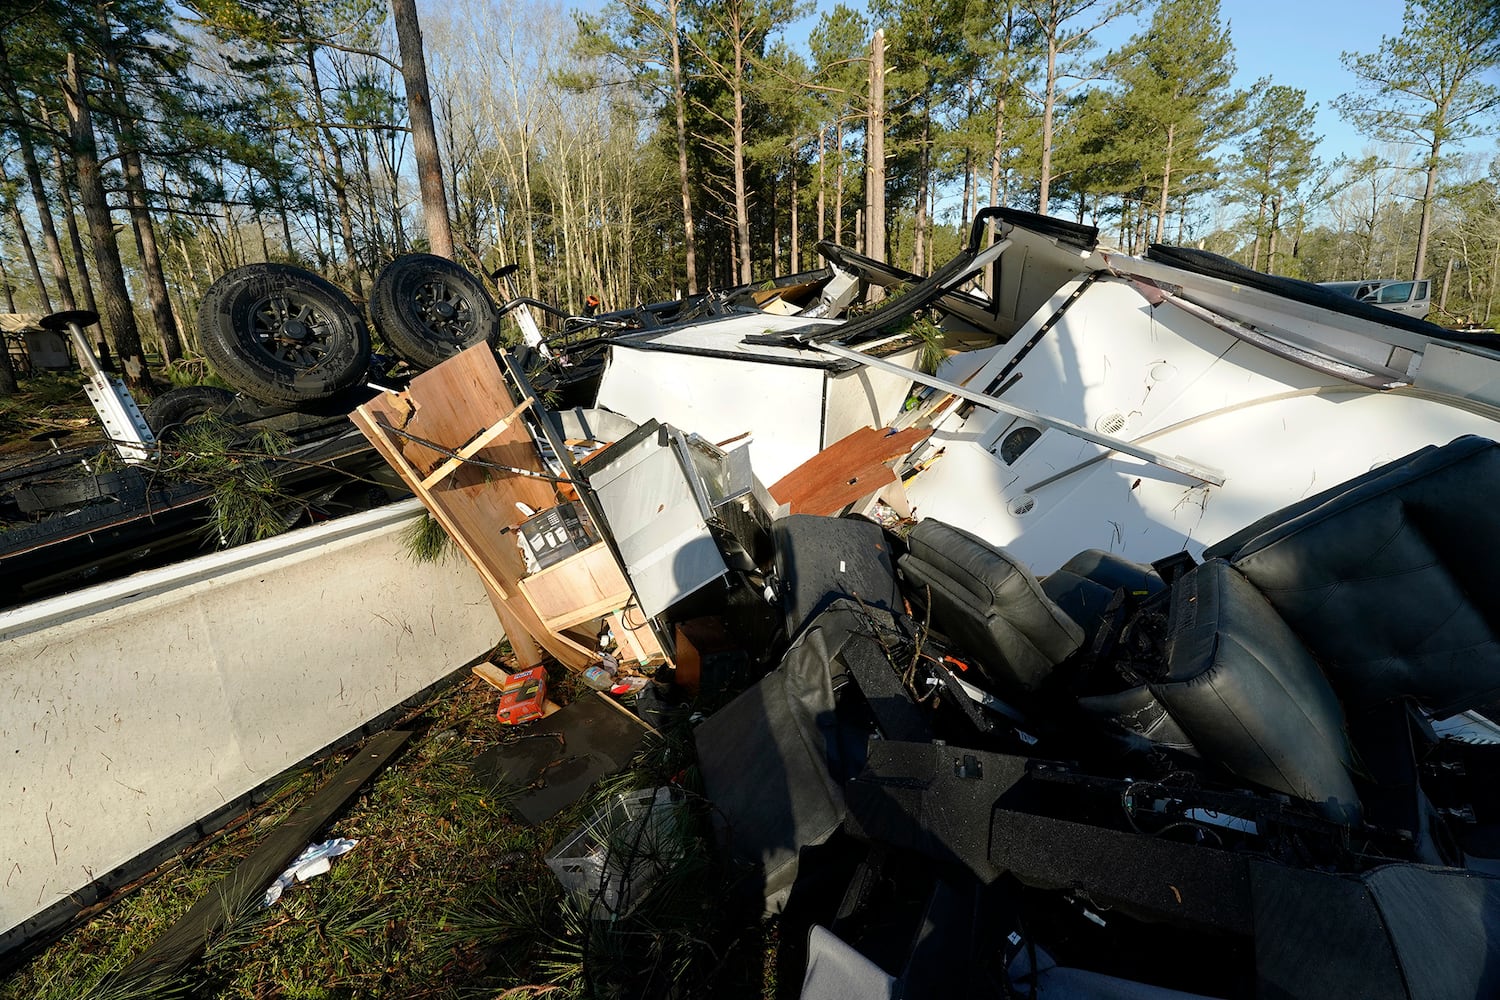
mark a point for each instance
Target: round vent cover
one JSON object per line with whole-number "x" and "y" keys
{"x": 1023, "y": 505}
{"x": 1110, "y": 423}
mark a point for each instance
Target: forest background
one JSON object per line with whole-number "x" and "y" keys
{"x": 640, "y": 150}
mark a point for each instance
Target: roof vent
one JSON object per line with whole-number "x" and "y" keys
{"x": 1110, "y": 423}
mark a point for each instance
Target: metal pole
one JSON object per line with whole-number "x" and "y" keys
{"x": 117, "y": 409}
{"x": 1195, "y": 470}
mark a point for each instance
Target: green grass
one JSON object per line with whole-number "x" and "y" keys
{"x": 445, "y": 897}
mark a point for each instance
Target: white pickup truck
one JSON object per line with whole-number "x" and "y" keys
{"x": 1410, "y": 297}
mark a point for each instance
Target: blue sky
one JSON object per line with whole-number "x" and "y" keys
{"x": 1295, "y": 42}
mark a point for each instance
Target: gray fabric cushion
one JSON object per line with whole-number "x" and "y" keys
{"x": 836, "y": 971}
{"x": 989, "y": 605}
{"x": 1390, "y": 583}
{"x": 1248, "y": 695}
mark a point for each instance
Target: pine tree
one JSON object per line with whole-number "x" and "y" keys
{"x": 1426, "y": 86}
{"x": 1275, "y": 159}
{"x": 1176, "y": 78}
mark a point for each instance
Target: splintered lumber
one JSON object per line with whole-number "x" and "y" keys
{"x": 474, "y": 447}
{"x": 169, "y": 956}
{"x": 465, "y": 407}
{"x": 845, "y": 472}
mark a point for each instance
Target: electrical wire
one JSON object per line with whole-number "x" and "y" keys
{"x": 481, "y": 463}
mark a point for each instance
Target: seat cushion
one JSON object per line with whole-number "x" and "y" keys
{"x": 1084, "y": 585}
{"x": 989, "y": 605}
{"x": 1137, "y": 714}
{"x": 1249, "y": 696}
{"x": 1389, "y": 583}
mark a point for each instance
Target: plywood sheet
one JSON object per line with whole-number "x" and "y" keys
{"x": 585, "y": 585}
{"x": 450, "y": 406}
{"x": 845, "y": 472}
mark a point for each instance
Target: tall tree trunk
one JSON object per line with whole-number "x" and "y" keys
{"x": 450, "y": 143}
{"x": 875, "y": 159}
{"x": 526, "y": 218}
{"x": 38, "y": 190}
{"x": 27, "y": 251}
{"x": 1260, "y": 227}
{"x": 119, "y": 315}
{"x": 1419, "y": 266}
{"x": 8, "y": 386}
{"x": 29, "y": 254}
{"x": 679, "y": 101}
{"x": 919, "y": 224}
{"x": 1489, "y": 301}
{"x": 741, "y": 191}
{"x": 995, "y": 154}
{"x": 1166, "y": 186}
{"x": 796, "y": 247}
{"x": 75, "y": 241}
{"x": 838, "y": 190}
{"x": 336, "y": 177}
{"x": 140, "y": 212}
{"x": 776, "y": 230}
{"x": 10, "y": 290}
{"x": 423, "y": 132}
{"x": 968, "y": 194}
{"x": 822, "y": 185}
{"x": 1271, "y": 240}
{"x": 1049, "y": 105}
{"x": 145, "y": 239}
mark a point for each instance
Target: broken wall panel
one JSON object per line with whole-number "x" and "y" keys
{"x": 464, "y": 406}
{"x": 140, "y": 708}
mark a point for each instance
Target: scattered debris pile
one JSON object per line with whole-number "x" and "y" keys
{"x": 953, "y": 774}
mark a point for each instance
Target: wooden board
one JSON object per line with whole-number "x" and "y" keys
{"x": 585, "y": 585}
{"x": 451, "y": 406}
{"x": 165, "y": 959}
{"x": 846, "y": 471}
{"x": 637, "y": 643}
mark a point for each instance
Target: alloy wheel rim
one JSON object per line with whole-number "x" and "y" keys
{"x": 291, "y": 330}
{"x": 444, "y": 310}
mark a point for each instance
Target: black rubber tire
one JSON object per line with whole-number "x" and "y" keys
{"x": 282, "y": 335}
{"x": 429, "y": 309}
{"x": 175, "y": 407}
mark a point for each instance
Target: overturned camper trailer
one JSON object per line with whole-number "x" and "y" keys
{"x": 1170, "y": 618}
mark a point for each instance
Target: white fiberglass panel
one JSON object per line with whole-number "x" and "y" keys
{"x": 721, "y": 398}
{"x": 1277, "y": 431}
{"x": 1271, "y": 453}
{"x": 865, "y": 397}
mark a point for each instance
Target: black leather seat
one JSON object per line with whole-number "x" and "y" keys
{"x": 990, "y": 606}
{"x": 1245, "y": 691}
{"x": 1084, "y": 586}
{"x": 1388, "y": 579}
